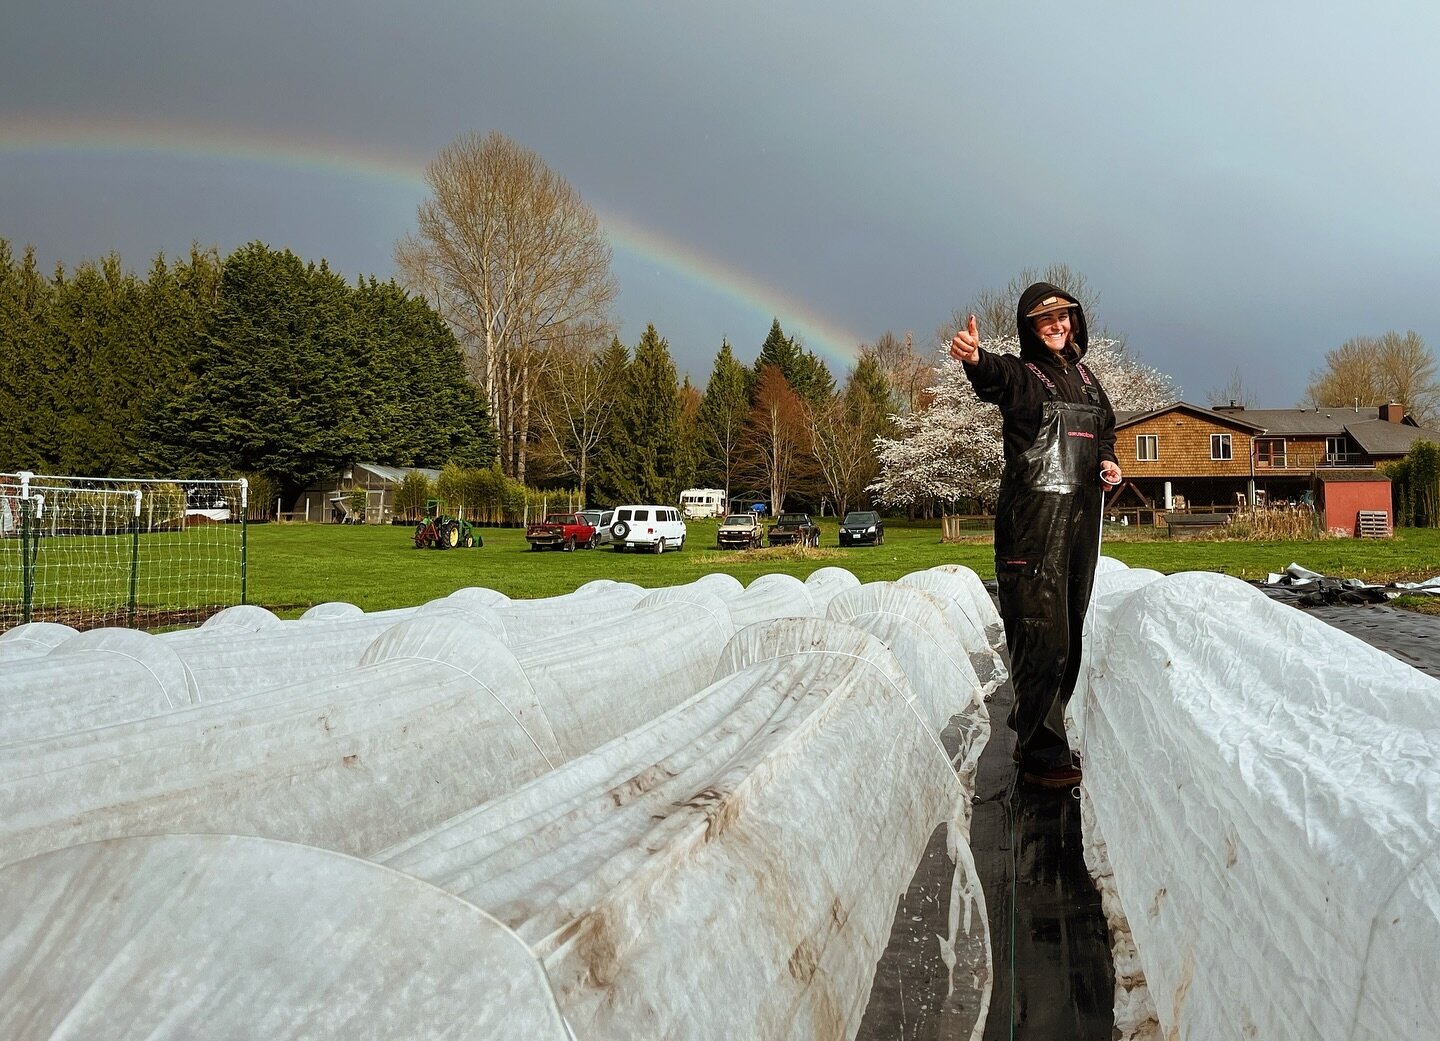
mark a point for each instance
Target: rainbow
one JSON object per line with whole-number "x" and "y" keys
{"x": 39, "y": 134}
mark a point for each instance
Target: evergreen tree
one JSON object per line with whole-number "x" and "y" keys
{"x": 723, "y": 411}
{"x": 805, "y": 373}
{"x": 275, "y": 384}
{"x": 25, "y": 395}
{"x": 688, "y": 441}
{"x": 652, "y": 419}
{"x": 869, "y": 397}
{"x": 611, "y": 476}
{"x": 417, "y": 408}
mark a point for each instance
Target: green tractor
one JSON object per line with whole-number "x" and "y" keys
{"x": 437, "y": 531}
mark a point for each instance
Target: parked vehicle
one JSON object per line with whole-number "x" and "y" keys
{"x": 794, "y": 529}
{"x": 601, "y": 521}
{"x": 656, "y": 528}
{"x": 438, "y": 531}
{"x": 740, "y": 531}
{"x": 862, "y": 526}
{"x": 696, "y": 503}
{"x": 561, "y": 531}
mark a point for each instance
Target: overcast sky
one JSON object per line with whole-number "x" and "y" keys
{"x": 1246, "y": 185}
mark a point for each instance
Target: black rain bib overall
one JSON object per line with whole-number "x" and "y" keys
{"x": 1046, "y": 544}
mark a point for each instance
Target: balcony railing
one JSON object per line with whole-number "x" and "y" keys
{"x": 1351, "y": 459}
{"x": 1304, "y": 464}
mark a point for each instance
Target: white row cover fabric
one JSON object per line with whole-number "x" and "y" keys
{"x": 351, "y": 763}
{"x": 214, "y": 937}
{"x": 92, "y": 679}
{"x": 596, "y": 683}
{"x": 826, "y": 583}
{"x": 593, "y": 602}
{"x": 108, "y": 676}
{"x": 331, "y": 611}
{"x": 437, "y": 717}
{"x": 1268, "y": 789}
{"x": 772, "y": 596}
{"x": 32, "y": 639}
{"x": 985, "y": 633}
{"x": 928, "y": 634}
{"x": 778, "y": 814}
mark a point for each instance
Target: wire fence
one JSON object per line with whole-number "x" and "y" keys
{"x": 92, "y": 552}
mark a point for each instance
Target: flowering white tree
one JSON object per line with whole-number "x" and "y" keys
{"x": 952, "y": 450}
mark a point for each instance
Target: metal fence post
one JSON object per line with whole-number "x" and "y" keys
{"x": 135, "y": 556}
{"x": 30, "y": 510}
{"x": 244, "y": 530}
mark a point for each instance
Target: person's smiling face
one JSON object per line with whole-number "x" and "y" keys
{"x": 1053, "y": 329}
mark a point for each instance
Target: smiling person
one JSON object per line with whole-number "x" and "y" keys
{"x": 1059, "y": 434}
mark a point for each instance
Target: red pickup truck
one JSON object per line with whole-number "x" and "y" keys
{"x": 562, "y": 531}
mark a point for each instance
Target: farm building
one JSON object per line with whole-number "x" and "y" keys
{"x": 328, "y": 501}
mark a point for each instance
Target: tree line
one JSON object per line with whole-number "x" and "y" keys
{"x": 259, "y": 362}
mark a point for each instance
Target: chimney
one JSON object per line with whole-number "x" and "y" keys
{"x": 1394, "y": 412}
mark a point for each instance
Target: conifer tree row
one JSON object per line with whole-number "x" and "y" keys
{"x": 257, "y": 362}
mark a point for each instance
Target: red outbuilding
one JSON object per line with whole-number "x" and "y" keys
{"x": 1355, "y": 502}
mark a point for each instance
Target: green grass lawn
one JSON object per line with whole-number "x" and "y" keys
{"x": 293, "y": 567}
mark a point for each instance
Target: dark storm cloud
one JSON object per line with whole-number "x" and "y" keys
{"x": 1246, "y": 187}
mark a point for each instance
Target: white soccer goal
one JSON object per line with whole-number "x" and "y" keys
{"x": 92, "y": 552}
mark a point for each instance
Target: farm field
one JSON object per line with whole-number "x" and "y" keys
{"x": 293, "y": 567}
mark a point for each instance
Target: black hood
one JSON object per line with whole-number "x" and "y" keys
{"x": 1031, "y": 348}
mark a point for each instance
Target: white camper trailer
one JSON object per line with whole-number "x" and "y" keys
{"x": 696, "y": 503}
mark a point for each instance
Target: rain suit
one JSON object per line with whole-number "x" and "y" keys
{"x": 1057, "y": 428}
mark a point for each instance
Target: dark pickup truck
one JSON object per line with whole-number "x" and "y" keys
{"x": 793, "y": 529}
{"x": 562, "y": 531}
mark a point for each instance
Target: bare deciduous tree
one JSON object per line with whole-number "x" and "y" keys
{"x": 1235, "y": 392}
{"x": 775, "y": 435}
{"x": 841, "y": 432}
{"x": 1372, "y": 371}
{"x": 510, "y": 255}
{"x": 907, "y": 373}
{"x": 577, "y": 396}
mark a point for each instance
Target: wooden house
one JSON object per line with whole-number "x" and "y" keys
{"x": 1186, "y": 456}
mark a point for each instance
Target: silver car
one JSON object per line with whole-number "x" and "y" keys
{"x": 600, "y": 520}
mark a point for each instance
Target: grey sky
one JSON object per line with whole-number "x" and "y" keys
{"x": 1246, "y": 185}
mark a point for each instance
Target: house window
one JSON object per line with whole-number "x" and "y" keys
{"x": 1334, "y": 449}
{"x": 1270, "y": 451}
{"x": 1220, "y": 446}
{"x": 1147, "y": 447}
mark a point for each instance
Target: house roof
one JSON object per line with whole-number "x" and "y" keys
{"x": 1377, "y": 437}
{"x": 1123, "y": 419}
{"x": 1314, "y": 422}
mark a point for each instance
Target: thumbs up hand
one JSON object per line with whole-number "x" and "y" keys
{"x": 965, "y": 346}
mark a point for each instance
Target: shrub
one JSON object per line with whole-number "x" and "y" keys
{"x": 412, "y": 494}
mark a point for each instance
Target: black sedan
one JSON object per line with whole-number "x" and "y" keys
{"x": 860, "y": 527}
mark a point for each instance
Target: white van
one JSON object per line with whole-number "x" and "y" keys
{"x": 656, "y": 528}
{"x": 696, "y": 503}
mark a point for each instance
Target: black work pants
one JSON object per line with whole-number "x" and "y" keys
{"x": 1047, "y": 543}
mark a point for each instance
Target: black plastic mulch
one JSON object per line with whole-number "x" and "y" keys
{"x": 1054, "y": 978}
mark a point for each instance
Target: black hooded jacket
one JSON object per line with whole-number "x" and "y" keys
{"x": 1003, "y": 379}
